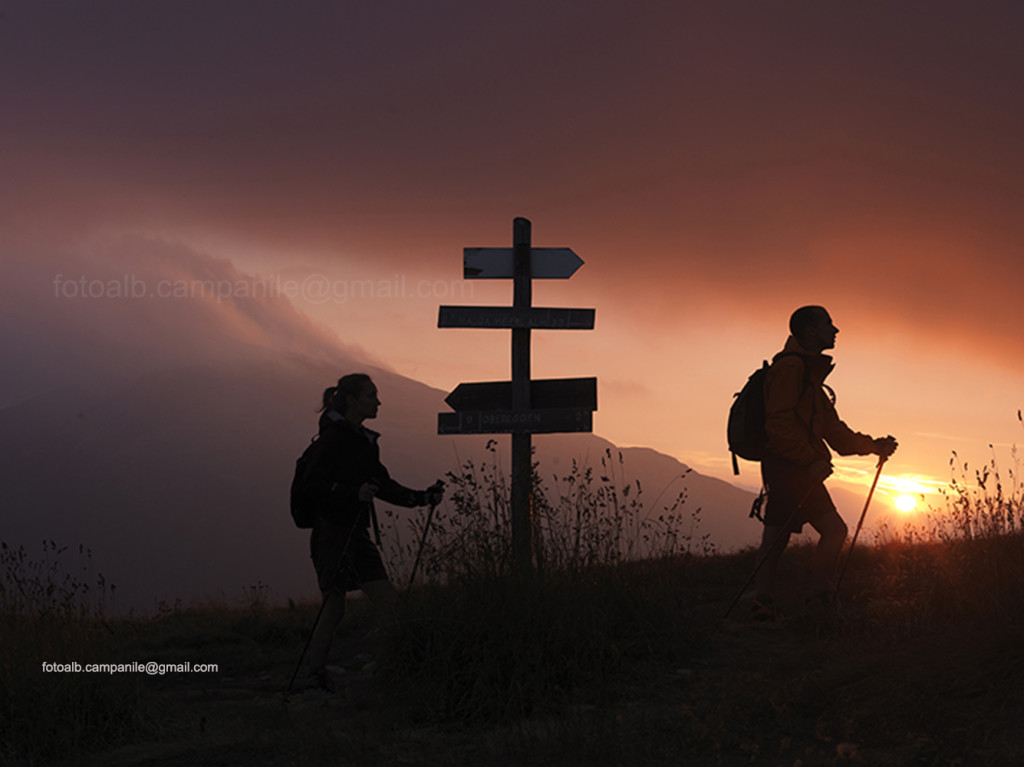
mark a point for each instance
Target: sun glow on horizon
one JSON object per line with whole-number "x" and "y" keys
{"x": 907, "y": 492}
{"x": 905, "y": 503}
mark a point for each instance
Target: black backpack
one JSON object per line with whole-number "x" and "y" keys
{"x": 303, "y": 500}
{"x": 746, "y": 429}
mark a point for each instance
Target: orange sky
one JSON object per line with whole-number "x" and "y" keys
{"x": 715, "y": 165}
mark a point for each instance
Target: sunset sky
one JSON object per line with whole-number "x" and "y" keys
{"x": 715, "y": 165}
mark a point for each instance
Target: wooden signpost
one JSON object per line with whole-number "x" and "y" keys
{"x": 520, "y": 407}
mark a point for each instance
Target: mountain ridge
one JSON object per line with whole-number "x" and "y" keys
{"x": 169, "y": 455}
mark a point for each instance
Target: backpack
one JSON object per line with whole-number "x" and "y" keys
{"x": 745, "y": 431}
{"x": 303, "y": 500}
{"x": 746, "y": 428}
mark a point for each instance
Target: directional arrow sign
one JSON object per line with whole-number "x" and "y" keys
{"x": 545, "y": 393}
{"x": 497, "y": 263}
{"x": 509, "y": 421}
{"x": 510, "y": 317}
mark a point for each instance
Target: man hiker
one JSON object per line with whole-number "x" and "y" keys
{"x": 801, "y": 423}
{"x": 347, "y": 475}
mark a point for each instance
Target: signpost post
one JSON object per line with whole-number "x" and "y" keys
{"x": 520, "y": 407}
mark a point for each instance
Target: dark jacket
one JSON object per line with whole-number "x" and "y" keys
{"x": 347, "y": 458}
{"x": 800, "y": 417}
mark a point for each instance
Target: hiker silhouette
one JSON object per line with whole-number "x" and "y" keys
{"x": 346, "y": 475}
{"x": 802, "y": 424}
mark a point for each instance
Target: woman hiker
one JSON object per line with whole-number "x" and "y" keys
{"x": 347, "y": 475}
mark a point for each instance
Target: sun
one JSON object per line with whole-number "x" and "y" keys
{"x": 908, "y": 492}
{"x": 905, "y": 503}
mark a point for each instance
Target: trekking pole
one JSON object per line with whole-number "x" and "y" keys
{"x": 302, "y": 655}
{"x": 860, "y": 523}
{"x": 426, "y": 526}
{"x": 782, "y": 533}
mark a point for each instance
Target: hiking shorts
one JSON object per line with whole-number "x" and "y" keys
{"x": 791, "y": 488}
{"x": 344, "y": 557}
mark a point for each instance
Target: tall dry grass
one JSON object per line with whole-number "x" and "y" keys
{"x": 591, "y": 517}
{"x": 481, "y": 641}
{"x": 964, "y": 563}
{"x": 53, "y": 610}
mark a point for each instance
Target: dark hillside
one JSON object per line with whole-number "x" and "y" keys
{"x": 657, "y": 678}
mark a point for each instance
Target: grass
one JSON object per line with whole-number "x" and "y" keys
{"x": 48, "y": 613}
{"x": 494, "y": 650}
{"x": 611, "y": 653}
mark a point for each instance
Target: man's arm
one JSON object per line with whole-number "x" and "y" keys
{"x": 845, "y": 440}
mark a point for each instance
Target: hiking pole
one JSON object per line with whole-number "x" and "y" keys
{"x": 860, "y": 523}
{"x": 309, "y": 639}
{"x": 439, "y": 485}
{"x": 782, "y": 533}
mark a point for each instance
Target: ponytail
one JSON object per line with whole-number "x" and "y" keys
{"x": 335, "y": 397}
{"x": 329, "y": 394}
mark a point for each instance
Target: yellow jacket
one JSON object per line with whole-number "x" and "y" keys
{"x": 800, "y": 417}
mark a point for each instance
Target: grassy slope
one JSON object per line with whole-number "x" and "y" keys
{"x": 629, "y": 666}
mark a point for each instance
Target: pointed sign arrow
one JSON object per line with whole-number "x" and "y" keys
{"x": 498, "y": 263}
{"x": 545, "y": 393}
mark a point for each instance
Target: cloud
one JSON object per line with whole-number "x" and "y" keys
{"x": 73, "y": 312}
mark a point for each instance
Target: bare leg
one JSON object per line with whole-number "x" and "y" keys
{"x": 320, "y": 644}
{"x": 832, "y": 530}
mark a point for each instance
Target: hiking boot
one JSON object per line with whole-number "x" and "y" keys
{"x": 763, "y": 610}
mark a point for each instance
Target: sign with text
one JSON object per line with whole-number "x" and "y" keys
{"x": 537, "y": 317}
{"x": 547, "y": 421}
